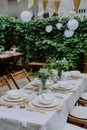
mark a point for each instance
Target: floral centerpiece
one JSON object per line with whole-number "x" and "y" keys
{"x": 43, "y": 75}
{"x": 60, "y": 65}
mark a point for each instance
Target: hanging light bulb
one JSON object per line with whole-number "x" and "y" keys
{"x": 68, "y": 33}
{"x": 59, "y": 25}
{"x": 48, "y": 28}
{"x": 72, "y": 24}
{"x": 25, "y": 16}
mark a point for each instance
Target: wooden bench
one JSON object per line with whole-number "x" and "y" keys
{"x": 37, "y": 64}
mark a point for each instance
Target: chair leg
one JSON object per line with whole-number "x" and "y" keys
{"x": 31, "y": 69}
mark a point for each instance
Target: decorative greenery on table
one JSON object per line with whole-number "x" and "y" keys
{"x": 38, "y": 45}
{"x": 43, "y": 74}
{"x": 60, "y": 65}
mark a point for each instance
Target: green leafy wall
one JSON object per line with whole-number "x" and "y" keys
{"x": 38, "y": 45}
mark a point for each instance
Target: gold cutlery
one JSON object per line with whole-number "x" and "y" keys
{"x": 6, "y": 105}
{"x": 30, "y": 108}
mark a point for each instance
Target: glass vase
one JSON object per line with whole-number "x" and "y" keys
{"x": 43, "y": 81}
{"x": 59, "y": 74}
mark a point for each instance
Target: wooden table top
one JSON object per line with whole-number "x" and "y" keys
{"x": 10, "y": 55}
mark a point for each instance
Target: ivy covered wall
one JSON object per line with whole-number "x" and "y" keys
{"x": 38, "y": 45}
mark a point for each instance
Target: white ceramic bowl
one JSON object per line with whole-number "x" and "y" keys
{"x": 54, "y": 72}
{"x": 62, "y": 83}
{"x": 75, "y": 73}
{"x": 14, "y": 94}
{"x": 46, "y": 99}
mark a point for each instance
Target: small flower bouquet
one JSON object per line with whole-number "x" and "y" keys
{"x": 60, "y": 65}
{"x": 43, "y": 75}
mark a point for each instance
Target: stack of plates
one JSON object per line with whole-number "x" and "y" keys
{"x": 20, "y": 99}
{"x": 45, "y": 103}
{"x": 72, "y": 74}
{"x": 36, "y": 82}
{"x": 14, "y": 96}
{"x": 63, "y": 86}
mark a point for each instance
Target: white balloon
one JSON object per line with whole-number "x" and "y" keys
{"x": 72, "y": 24}
{"x": 25, "y": 16}
{"x": 69, "y": 33}
{"x": 48, "y": 28}
{"x": 59, "y": 25}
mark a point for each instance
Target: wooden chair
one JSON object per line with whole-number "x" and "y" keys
{"x": 69, "y": 126}
{"x": 4, "y": 81}
{"x": 77, "y": 121}
{"x": 19, "y": 75}
{"x": 4, "y": 85}
{"x": 82, "y": 102}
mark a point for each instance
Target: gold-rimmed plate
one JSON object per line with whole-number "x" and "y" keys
{"x": 37, "y": 102}
{"x": 63, "y": 88}
{"x": 20, "y": 99}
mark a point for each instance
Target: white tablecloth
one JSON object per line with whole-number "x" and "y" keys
{"x": 21, "y": 119}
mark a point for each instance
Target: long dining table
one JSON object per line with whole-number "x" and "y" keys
{"x": 55, "y": 118}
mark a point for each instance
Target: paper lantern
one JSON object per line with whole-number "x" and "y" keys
{"x": 48, "y": 28}
{"x": 72, "y": 24}
{"x": 25, "y": 16}
{"x": 69, "y": 33}
{"x": 59, "y": 25}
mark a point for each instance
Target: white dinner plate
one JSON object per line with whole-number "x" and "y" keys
{"x": 84, "y": 95}
{"x": 63, "y": 88}
{"x": 75, "y": 76}
{"x": 21, "y": 98}
{"x": 79, "y": 112}
{"x": 54, "y": 103}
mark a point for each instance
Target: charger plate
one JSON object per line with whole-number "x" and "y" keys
{"x": 63, "y": 88}
{"x": 54, "y": 103}
{"x": 79, "y": 112}
{"x": 21, "y": 98}
{"x": 75, "y": 76}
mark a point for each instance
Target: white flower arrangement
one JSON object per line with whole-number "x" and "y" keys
{"x": 43, "y": 73}
{"x": 60, "y": 65}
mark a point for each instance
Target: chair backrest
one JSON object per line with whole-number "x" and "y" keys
{"x": 77, "y": 121}
{"x": 4, "y": 85}
{"x": 19, "y": 75}
{"x": 78, "y": 116}
{"x": 4, "y": 81}
{"x": 82, "y": 102}
{"x": 69, "y": 126}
